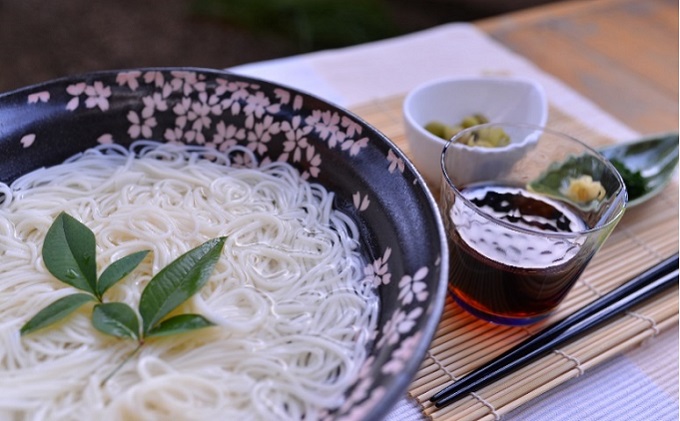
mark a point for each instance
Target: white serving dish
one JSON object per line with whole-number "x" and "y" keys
{"x": 500, "y": 99}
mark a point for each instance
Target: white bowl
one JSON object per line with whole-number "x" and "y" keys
{"x": 500, "y": 99}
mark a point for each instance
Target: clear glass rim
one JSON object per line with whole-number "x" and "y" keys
{"x": 611, "y": 219}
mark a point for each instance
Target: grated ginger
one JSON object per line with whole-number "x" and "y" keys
{"x": 584, "y": 189}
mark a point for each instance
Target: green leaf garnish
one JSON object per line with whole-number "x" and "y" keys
{"x": 178, "y": 281}
{"x": 179, "y": 324}
{"x": 554, "y": 181}
{"x": 635, "y": 183}
{"x": 116, "y": 319}
{"x": 56, "y": 311}
{"x": 69, "y": 253}
{"x": 119, "y": 270}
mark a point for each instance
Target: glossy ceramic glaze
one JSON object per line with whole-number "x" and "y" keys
{"x": 402, "y": 235}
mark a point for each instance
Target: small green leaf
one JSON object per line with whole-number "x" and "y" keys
{"x": 555, "y": 179}
{"x": 634, "y": 181}
{"x": 178, "y": 281}
{"x": 119, "y": 270}
{"x": 56, "y": 311}
{"x": 117, "y": 319}
{"x": 69, "y": 253}
{"x": 179, "y": 324}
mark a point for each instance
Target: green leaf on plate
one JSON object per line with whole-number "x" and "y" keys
{"x": 552, "y": 181}
{"x": 179, "y": 324}
{"x": 634, "y": 181}
{"x": 69, "y": 253}
{"x": 177, "y": 282}
{"x": 117, "y": 319}
{"x": 119, "y": 270}
{"x": 56, "y": 311}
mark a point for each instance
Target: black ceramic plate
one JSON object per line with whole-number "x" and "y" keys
{"x": 402, "y": 233}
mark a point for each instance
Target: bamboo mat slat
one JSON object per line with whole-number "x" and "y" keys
{"x": 645, "y": 236}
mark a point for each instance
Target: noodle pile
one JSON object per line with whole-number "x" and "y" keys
{"x": 294, "y": 315}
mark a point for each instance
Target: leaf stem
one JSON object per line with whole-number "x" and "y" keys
{"x": 122, "y": 363}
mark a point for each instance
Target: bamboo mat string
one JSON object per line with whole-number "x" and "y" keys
{"x": 645, "y": 236}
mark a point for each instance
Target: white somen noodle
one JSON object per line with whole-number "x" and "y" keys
{"x": 294, "y": 314}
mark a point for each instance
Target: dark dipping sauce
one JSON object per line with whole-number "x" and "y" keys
{"x": 507, "y": 276}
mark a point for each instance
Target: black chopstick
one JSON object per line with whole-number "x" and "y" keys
{"x": 638, "y": 289}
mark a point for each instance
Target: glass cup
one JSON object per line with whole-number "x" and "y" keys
{"x": 523, "y": 220}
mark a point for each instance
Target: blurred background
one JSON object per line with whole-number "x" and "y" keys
{"x": 42, "y": 40}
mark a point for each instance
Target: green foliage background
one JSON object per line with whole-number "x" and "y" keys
{"x": 311, "y": 24}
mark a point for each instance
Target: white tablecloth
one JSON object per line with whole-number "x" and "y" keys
{"x": 640, "y": 385}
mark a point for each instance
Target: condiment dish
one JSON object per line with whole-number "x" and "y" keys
{"x": 650, "y": 163}
{"x": 449, "y": 101}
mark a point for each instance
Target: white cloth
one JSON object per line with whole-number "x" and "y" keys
{"x": 356, "y": 75}
{"x": 641, "y": 384}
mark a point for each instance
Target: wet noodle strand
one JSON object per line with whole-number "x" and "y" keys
{"x": 294, "y": 314}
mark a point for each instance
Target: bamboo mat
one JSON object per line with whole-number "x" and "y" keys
{"x": 646, "y": 235}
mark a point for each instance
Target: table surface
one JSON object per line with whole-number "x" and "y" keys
{"x": 598, "y": 47}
